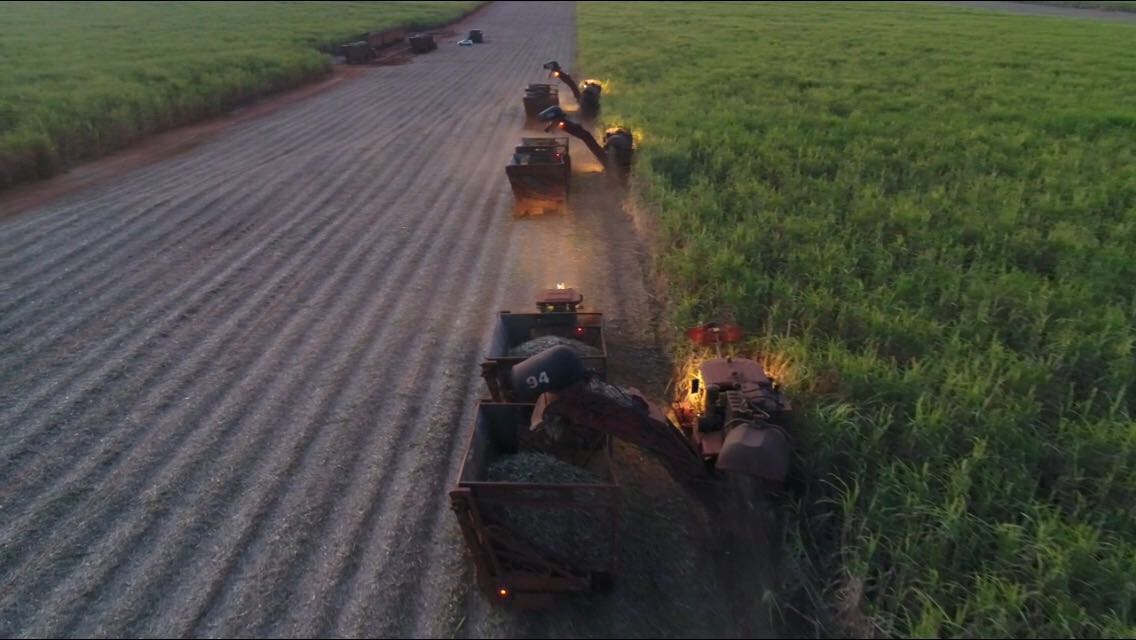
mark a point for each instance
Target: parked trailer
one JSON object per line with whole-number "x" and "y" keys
{"x": 516, "y": 566}
{"x": 379, "y": 39}
{"x": 422, "y": 43}
{"x": 366, "y": 48}
{"x": 514, "y": 329}
{"x": 358, "y": 52}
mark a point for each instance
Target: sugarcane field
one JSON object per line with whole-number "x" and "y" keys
{"x": 504, "y": 319}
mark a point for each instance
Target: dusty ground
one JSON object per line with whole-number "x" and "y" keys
{"x": 235, "y": 382}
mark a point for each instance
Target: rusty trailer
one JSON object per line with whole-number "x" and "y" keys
{"x": 539, "y": 174}
{"x": 422, "y": 43}
{"x": 380, "y": 39}
{"x": 357, "y": 52}
{"x": 524, "y": 571}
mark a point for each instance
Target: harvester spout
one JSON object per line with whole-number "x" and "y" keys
{"x": 556, "y": 118}
{"x": 566, "y": 393}
{"x": 631, "y": 419}
{"x": 587, "y": 93}
{"x": 556, "y": 71}
{"x": 618, "y": 147}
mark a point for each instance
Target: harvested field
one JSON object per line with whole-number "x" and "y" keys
{"x": 230, "y": 406}
{"x": 124, "y": 70}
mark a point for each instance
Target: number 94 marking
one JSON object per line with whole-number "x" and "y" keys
{"x": 536, "y": 381}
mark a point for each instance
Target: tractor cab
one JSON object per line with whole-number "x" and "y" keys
{"x": 559, "y": 300}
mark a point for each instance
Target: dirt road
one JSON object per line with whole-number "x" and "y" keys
{"x": 234, "y": 384}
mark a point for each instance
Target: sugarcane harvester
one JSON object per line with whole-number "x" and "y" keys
{"x": 733, "y": 420}
{"x": 587, "y": 93}
{"x": 617, "y": 151}
{"x": 540, "y": 169}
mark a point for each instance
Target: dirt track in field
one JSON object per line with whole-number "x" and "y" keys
{"x": 235, "y": 383}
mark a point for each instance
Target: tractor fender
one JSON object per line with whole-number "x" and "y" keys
{"x": 759, "y": 450}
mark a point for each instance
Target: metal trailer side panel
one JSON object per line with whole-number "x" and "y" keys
{"x": 511, "y": 570}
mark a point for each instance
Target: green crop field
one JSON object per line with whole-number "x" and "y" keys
{"x": 929, "y": 214}
{"x": 80, "y": 79}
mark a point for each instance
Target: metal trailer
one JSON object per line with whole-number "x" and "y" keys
{"x": 358, "y": 52}
{"x": 380, "y": 39}
{"x": 422, "y": 43}
{"x": 539, "y": 97}
{"x": 514, "y": 329}
{"x": 515, "y": 570}
{"x": 539, "y": 174}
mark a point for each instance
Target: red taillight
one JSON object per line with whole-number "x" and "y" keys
{"x": 731, "y": 333}
{"x": 562, "y": 125}
{"x": 697, "y": 335}
{"x": 579, "y": 331}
